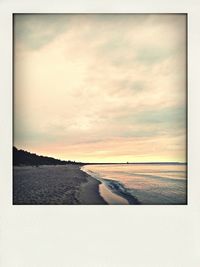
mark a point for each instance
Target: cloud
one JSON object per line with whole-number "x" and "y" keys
{"x": 99, "y": 81}
{"x": 35, "y": 31}
{"x": 168, "y": 115}
{"x": 152, "y": 55}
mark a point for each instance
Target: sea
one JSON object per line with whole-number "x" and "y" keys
{"x": 148, "y": 184}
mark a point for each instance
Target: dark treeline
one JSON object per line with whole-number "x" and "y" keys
{"x": 24, "y": 158}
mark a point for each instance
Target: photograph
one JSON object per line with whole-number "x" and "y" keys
{"x": 99, "y": 109}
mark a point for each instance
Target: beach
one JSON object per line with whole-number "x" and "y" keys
{"x": 54, "y": 185}
{"x": 99, "y": 184}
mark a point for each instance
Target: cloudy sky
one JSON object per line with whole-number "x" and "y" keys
{"x": 100, "y": 88}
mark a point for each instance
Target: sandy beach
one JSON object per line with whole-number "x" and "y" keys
{"x": 54, "y": 185}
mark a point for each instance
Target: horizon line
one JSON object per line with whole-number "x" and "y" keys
{"x": 127, "y": 162}
{"x": 146, "y": 162}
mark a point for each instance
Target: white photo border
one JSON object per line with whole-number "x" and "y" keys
{"x": 103, "y": 236}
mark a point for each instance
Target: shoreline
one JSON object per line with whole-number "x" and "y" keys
{"x": 89, "y": 191}
{"x": 116, "y": 189}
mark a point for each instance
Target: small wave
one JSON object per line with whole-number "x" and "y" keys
{"x": 118, "y": 188}
{"x": 115, "y": 186}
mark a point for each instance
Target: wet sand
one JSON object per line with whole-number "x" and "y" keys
{"x": 54, "y": 185}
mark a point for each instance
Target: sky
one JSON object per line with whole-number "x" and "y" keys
{"x": 101, "y": 87}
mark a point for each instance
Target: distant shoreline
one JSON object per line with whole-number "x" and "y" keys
{"x": 25, "y": 158}
{"x": 138, "y": 163}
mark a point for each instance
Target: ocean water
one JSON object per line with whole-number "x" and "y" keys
{"x": 141, "y": 183}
